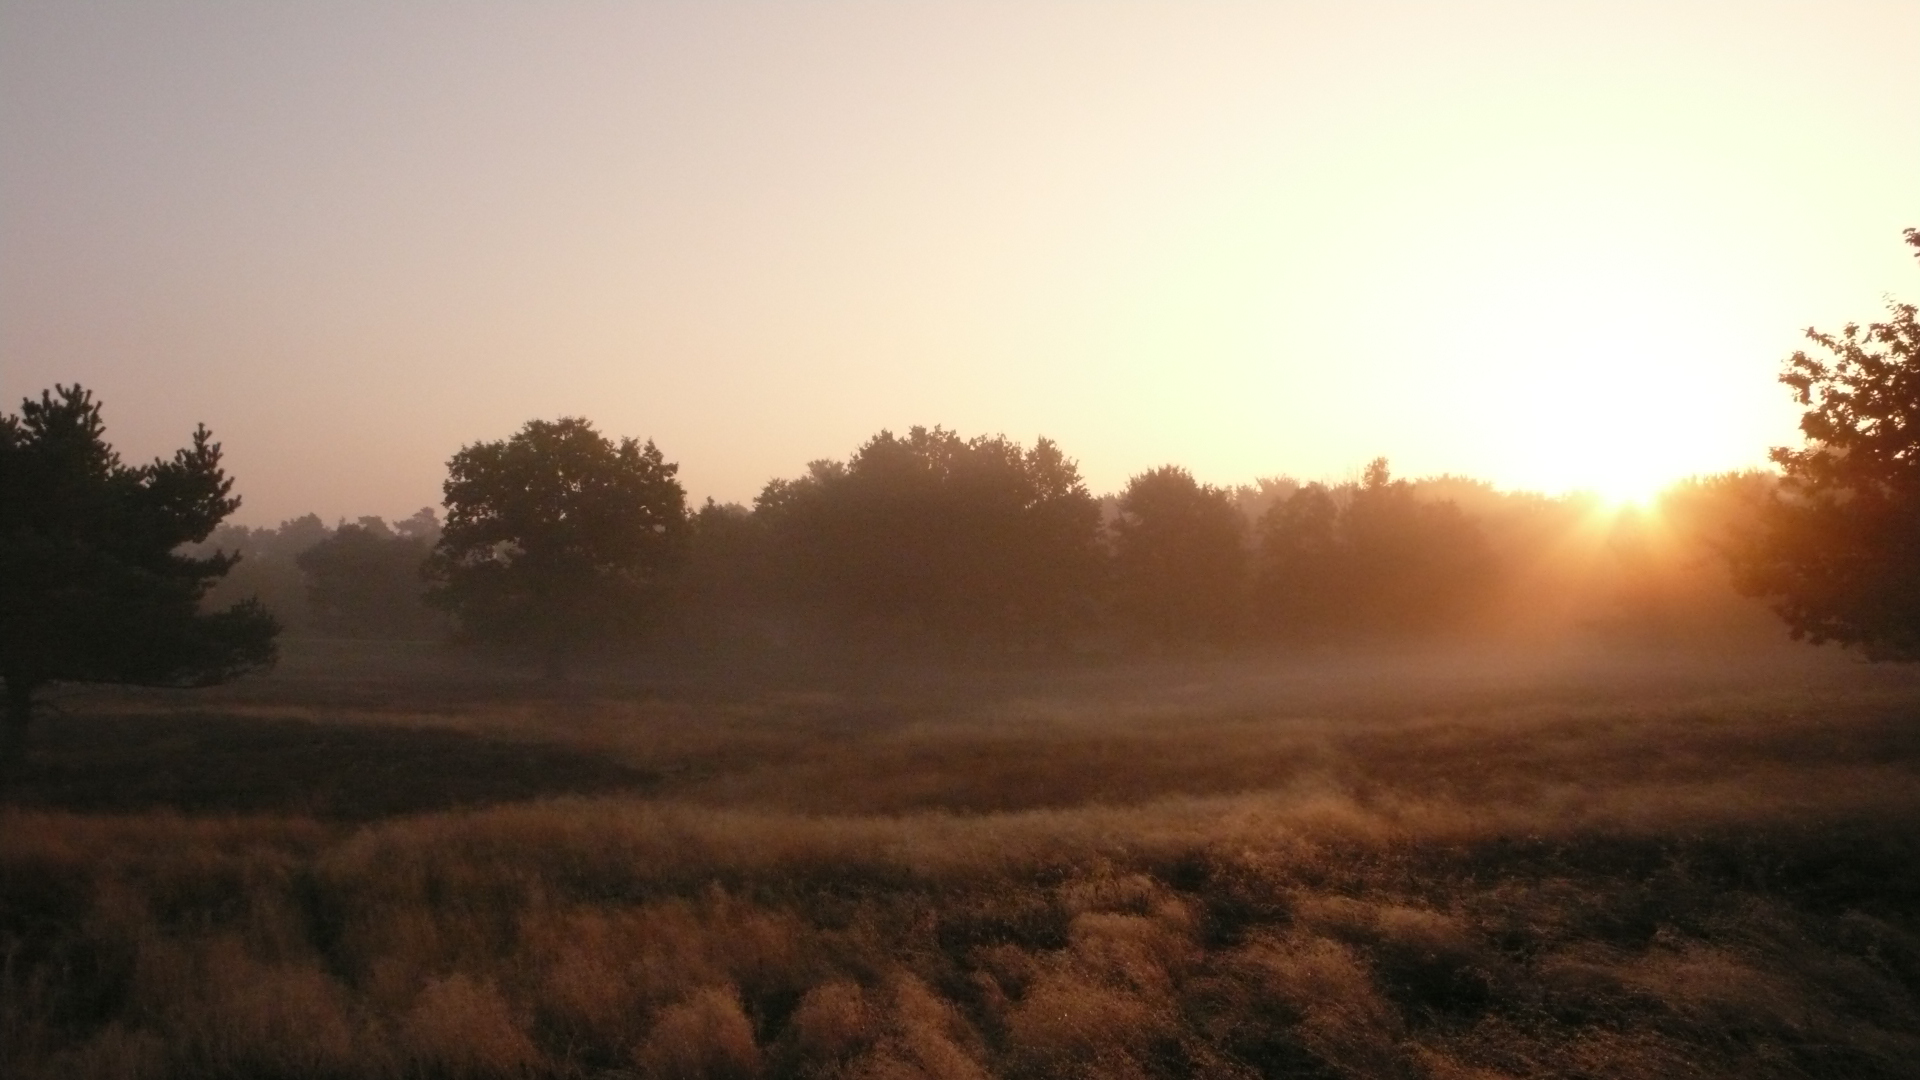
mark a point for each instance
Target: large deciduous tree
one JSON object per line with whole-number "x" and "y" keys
{"x": 1836, "y": 548}
{"x": 557, "y": 539}
{"x": 94, "y": 586}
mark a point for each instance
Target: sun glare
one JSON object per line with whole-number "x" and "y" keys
{"x": 1591, "y": 327}
{"x": 1629, "y": 492}
{"x": 1618, "y": 476}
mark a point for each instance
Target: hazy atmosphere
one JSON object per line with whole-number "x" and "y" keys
{"x": 935, "y": 541}
{"x": 1552, "y": 246}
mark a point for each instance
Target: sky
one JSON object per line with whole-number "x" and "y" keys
{"x": 1553, "y": 246}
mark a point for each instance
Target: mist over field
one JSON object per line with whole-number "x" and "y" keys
{"x": 1582, "y": 859}
{"x": 834, "y": 541}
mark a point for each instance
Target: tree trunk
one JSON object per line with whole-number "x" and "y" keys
{"x": 13, "y": 733}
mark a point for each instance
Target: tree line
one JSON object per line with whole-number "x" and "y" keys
{"x": 559, "y": 541}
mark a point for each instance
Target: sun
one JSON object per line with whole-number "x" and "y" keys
{"x": 1627, "y": 476}
{"x": 1615, "y": 485}
{"x": 1602, "y": 446}
{"x": 1629, "y": 492}
{"x": 1590, "y": 335}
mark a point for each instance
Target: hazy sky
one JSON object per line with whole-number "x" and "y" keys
{"x": 1549, "y": 244}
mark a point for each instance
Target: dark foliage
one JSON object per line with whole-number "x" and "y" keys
{"x": 557, "y": 539}
{"x": 723, "y": 594}
{"x": 211, "y": 763}
{"x": 364, "y": 580}
{"x": 1179, "y": 557}
{"x": 1375, "y": 558}
{"x": 934, "y": 537}
{"x": 92, "y": 585}
{"x": 267, "y": 570}
{"x": 1837, "y": 548}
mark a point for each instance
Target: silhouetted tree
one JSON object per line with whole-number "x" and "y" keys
{"x": 963, "y": 541}
{"x": 1719, "y": 512}
{"x": 1255, "y": 499}
{"x": 556, "y": 539}
{"x": 1179, "y": 557}
{"x": 364, "y": 580}
{"x": 1303, "y": 564}
{"x": 1836, "y": 548}
{"x": 1375, "y": 557}
{"x": 93, "y": 587}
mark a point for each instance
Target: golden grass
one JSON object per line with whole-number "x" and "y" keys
{"x": 1230, "y": 875}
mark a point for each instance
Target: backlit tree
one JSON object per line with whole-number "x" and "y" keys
{"x": 93, "y": 584}
{"x": 1179, "y": 557}
{"x": 1836, "y": 547}
{"x": 934, "y": 537}
{"x": 557, "y": 539}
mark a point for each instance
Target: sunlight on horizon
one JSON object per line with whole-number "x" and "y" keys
{"x": 1607, "y": 331}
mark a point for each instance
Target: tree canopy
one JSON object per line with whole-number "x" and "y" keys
{"x": 93, "y": 585}
{"x": 363, "y": 580}
{"x": 556, "y": 539}
{"x": 1376, "y": 559}
{"x": 1837, "y": 546}
{"x": 962, "y": 540}
{"x": 1179, "y": 557}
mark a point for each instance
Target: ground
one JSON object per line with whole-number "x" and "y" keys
{"x": 1569, "y": 860}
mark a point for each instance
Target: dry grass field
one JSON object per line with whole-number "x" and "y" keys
{"x": 1574, "y": 862}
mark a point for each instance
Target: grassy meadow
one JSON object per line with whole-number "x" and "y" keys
{"x": 1576, "y": 861}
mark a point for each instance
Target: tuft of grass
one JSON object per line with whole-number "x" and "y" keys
{"x": 705, "y": 1036}
{"x": 464, "y": 1027}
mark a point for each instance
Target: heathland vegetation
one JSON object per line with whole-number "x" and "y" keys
{"x": 1567, "y": 862}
